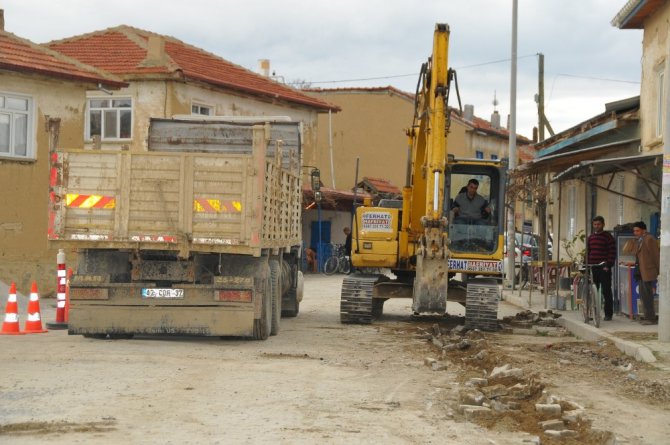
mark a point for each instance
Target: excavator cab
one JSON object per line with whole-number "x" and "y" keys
{"x": 473, "y": 193}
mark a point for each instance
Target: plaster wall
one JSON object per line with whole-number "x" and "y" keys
{"x": 24, "y": 253}
{"x": 166, "y": 98}
{"x": 371, "y": 127}
{"x": 655, "y": 50}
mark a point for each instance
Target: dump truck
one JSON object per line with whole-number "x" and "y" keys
{"x": 200, "y": 234}
{"x": 435, "y": 253}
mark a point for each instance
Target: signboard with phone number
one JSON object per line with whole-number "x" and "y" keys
{"x": 476, "y": 266}
{"x": 376, "y": 221}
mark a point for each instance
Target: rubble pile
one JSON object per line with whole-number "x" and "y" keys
{"x": 496, "y": 393}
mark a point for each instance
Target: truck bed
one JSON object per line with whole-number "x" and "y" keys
{"x": 239, "y": 195}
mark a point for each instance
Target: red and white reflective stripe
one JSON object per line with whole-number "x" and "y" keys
{"x": 62, "y": 282}
{"x": 11, "y": 298}
{"x": 34, "y": 316}
{"x": 153, "y": 238}
{"x": 11, "y": 317}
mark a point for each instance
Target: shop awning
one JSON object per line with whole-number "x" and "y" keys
{"x": 640, "y": 166}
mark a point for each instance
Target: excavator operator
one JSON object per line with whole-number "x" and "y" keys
{"x": 470, "y": 207}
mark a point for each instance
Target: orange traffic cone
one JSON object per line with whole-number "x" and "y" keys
{"x": 34, "y": 322}
{"x": 11, "y": 324}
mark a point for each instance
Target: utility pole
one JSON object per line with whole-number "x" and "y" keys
{"x": 542, "y": 120}
{"x": 512, "y": 147}
{"x": 543, "y": 198}
{"x": 664, "y": 277}
{"x": 540, "y": 97}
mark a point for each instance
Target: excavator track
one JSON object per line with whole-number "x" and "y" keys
{"x": 356, "y": 299}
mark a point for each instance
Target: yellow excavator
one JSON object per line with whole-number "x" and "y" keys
{"x": 443, "y": 241}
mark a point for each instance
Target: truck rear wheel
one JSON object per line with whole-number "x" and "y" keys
{"x": 275, "y": 278}
{"x": 291, "y": 300}
{"x": 263, "y": 325}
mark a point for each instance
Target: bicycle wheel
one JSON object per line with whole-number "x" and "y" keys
{"x": 330, "y": 267}
{"x": 583, "y": 295}
{"x": 345, "y": 265}
{"x": 596, "y": 303}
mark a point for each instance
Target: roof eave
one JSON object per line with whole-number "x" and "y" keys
{"x": 108, "y": 83}
{"x": 260, "y": 93}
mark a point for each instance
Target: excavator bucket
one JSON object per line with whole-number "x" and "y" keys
{"x": 430, "y": 285}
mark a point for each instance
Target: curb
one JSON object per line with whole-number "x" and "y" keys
{"x": 591, "y": 333}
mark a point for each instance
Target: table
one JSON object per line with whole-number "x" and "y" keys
{"x": 556, "y": 270}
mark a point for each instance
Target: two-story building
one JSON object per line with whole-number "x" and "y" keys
{"x": 39, "y": 89}
{"x": 114, "y": 81}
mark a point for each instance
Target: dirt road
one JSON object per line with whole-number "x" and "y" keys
{"x": 316, "y": 382}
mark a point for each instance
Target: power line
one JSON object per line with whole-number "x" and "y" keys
{"x": 600, "y": 78}
{"x": 395, "y": 76}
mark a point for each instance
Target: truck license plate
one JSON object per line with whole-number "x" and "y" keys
{"x": 162, "y": 293}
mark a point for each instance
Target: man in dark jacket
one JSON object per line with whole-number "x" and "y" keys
{"x": 648, "y": 260}
{"x": 601, "y": 247}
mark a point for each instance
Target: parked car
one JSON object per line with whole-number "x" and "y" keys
{"x": 526, "y": 249}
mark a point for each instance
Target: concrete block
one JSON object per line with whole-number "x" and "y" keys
{"x": 520, "y": 391}
{"x": 476, "y": 412}
{"x": 472, "y": 397}
{"x": 553, "y": 434}
{"x": 499, "y": 406}
{"x": 569, "y": 433}
{"x": 476, "y": 381}
{"x": 506, "y": 371}
{"x": 428, "y": 361}
{"x": 481, "y": 355}
{"x": 573, "y": 416}
{"x": 548, "y": 409}
{"x": 553, "y": 424}
{"x": 495, "y": 391}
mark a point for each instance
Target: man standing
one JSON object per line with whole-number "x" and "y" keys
{"x": 648, "y": 263}
{"x": 601, "y": 247}
{"x": 469, "y": 206}
{"x": 347, "y": 241}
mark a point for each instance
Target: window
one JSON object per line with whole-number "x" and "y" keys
{"x": 110, "y": 118}
{"x": 479, "y": 154}
{"x": 660, "y": 74}
{"x": 204, "y": 110}
{"x": 494, "y": 157}
{"x": 15, "y": 126}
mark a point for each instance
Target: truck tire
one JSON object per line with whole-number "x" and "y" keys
{"x": 275, "y": 279}
{"x": 262, "y": 325}
{"x": 291, "y": 302}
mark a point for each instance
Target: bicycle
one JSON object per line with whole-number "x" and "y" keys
{"x": 337, "y": 262}
{"x": 588, "y": 295}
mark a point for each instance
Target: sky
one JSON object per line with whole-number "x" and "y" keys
{"x": 373, "y": 43}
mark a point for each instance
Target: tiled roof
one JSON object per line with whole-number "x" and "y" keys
{"x": 386, "y": 90}
{"x": 485, "y": 126}
{"x": 123, "y": 50}
{"x": 17, "y": 54}
{"x": 380, "y": 185}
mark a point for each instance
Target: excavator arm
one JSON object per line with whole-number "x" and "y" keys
{"x": 425, "y": 188}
